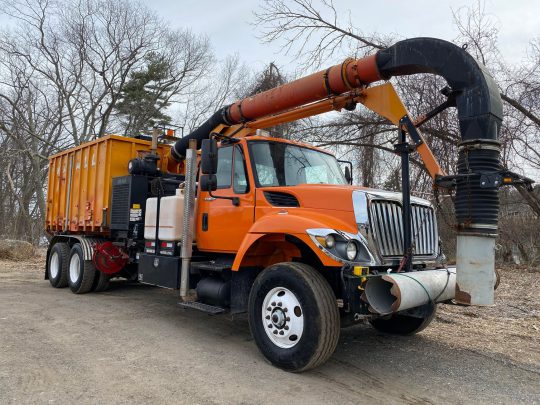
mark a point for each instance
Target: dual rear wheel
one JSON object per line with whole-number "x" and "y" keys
{"x": 58, "y": 265}
{"x": 67, "y": 267}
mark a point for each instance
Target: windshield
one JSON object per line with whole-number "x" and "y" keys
{"x": 283, "y": 164}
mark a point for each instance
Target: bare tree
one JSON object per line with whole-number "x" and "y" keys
{"x": 311, "y": 32}
{"x": 217, "y": 88}
{"x": 88, "y": 48}
{"x": 30, "y": 130}
{"x": 62, "y": 69}
{"x": 314, "y": 32}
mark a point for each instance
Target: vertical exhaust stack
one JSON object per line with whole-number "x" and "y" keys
{"x": 188, "y": 227}
{"x": 479, "y": 109}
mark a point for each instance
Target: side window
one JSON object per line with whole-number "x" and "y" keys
{"x": 224, "y": 167}
{"x": 240, "y": 182}
{"x": 264, "y": 164}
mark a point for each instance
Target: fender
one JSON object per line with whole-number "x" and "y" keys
{"x": 87, "y": 244}
{"x": 296, "y": 225}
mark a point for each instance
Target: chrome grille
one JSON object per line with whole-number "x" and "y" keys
{"x": 387, "y": 225}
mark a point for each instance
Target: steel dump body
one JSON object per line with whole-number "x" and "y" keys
{"x": 80, "y": 180}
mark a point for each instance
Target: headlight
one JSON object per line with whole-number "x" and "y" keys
{"x": 330, "y": 241}
{"x": 342, "y": 246}
{"x": 352, "y": 250}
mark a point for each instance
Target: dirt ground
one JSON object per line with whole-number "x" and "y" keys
{"x": 132, "y": 344}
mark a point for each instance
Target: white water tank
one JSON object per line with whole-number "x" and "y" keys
{"x": 171, "y": 215}
{"x": 150, "y": 219}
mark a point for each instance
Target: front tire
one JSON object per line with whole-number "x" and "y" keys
{"x": 57, "y": 270}
{"x": 293, "y": 316}
{"x": 81, "y": 272}
{"x": 404, "y": 325}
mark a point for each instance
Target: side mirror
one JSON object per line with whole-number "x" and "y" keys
{"x": 209, "y": 157}
{"x": 348, "y": 170}
{"x": 348, "y": 175}
{"x": 208, "y": 182}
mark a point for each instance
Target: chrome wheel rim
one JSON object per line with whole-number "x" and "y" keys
{"x": 54, "y": 265}
{"x": 74, "y": 268}
{"x": 282, "y": 317}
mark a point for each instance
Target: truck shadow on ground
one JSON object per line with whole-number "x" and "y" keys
{"x": 357, "y": 341}
{"x": 366, "y": 364}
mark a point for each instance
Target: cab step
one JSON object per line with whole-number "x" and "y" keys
{"x": 200, "y": 306}
{"x": 211, "y": 266}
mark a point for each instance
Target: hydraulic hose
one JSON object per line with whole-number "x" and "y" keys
{"x": 479, "y": 108}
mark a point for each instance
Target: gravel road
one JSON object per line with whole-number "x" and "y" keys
{"x": 132, "y": 344}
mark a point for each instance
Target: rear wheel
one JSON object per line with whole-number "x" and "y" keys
{"x": 81, "y": 272}
{"x": 101, "y": 281}
{"x": 405, "y": 325}
{"x": 293, "y": 316}
{"x": 58, "y": 265}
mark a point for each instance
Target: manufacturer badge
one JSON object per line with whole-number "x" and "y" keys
{"x": 156, "y": 262}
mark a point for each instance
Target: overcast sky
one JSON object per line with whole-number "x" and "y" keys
{"x": 227, "y": 24}
{"x": 228, "y": 27}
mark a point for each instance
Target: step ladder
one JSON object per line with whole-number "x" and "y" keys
{"x": 200, "y": 306}
{"x": 211, "y": 266}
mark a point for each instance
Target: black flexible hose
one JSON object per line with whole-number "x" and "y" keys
{"x": 178, "y": 150}
{"x": 479, "y": 109}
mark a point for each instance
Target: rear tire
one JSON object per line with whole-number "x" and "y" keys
{"x": 81, "y": 272}
{"x": 57, "y": 270}
{"x": 293, "y": 316}
{"x": 402, "y": 324}
{"x": 101, "y": 282}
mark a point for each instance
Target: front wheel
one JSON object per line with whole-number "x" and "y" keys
{"x": 293, "y": 316}
{"x": 399, "y": 324}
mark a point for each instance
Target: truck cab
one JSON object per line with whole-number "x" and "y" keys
{"x": 292, "y": 198}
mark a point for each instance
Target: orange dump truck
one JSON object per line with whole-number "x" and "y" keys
{"x": 238, "y": 221}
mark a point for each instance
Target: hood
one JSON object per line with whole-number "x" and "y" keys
{"x": 336, "y": 197}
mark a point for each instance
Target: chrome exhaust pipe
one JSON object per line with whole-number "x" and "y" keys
{"x": 189, "y": 219}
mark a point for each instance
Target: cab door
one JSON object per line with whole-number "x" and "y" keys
{"x": 221, "y": 226}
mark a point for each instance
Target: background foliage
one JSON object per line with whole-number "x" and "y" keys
{"x": 76, "y": 70}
